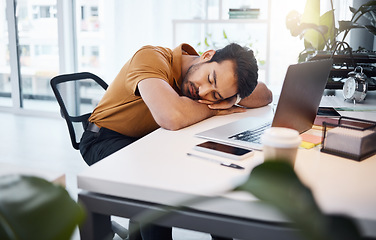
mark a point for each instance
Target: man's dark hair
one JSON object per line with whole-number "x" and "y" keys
{"x": 246, "y": 69}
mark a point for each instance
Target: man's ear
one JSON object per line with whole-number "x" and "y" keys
{"x": 206, "y": 56}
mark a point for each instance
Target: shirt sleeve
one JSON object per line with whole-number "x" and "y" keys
{"x": 149, "y": 62}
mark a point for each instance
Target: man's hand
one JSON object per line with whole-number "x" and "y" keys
{"x": 171, "y": 111}
{"x": 224, "y": 107}
{"x": 220, "y": 105}
{"x": 261, "y": 96}
{"x": 233, "y": 109}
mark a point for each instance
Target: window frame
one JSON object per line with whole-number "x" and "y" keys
{"x": 65, "y": 13}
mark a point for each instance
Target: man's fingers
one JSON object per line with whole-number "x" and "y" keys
{"x": 207, "y": 102}
{"x": 221, "y": 105}
{"x": 233, "y": 109}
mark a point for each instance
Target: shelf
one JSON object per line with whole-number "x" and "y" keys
{"x": 251, "y": 32}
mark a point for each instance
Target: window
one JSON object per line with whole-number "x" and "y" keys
{"x": 107, "y": 33}
{"x": 89, "y": 16}
{"x": 117, "y": 29}
{"x": 5, "y": 83}
{"x": 94, "y": 11}
{"x": 44, "y": 11}
{"x": 39, "y": 58}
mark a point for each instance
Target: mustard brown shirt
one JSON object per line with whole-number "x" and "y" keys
{"x": 122, "y": 109}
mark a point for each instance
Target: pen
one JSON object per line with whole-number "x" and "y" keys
{"x": 231, "y": 165}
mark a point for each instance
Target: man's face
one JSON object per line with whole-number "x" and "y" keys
{"x": 210, "y": 81}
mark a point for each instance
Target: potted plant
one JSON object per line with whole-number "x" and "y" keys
{"x": 320, "y": 32}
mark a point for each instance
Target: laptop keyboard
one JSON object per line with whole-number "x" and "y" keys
{"x": 253, "y": 135}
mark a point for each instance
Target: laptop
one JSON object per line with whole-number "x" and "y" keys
{"x": 299, "y": 100}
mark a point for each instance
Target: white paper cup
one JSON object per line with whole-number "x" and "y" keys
{"x": 280, "y": 144}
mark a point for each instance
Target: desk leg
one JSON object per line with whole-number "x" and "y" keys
{"x": 100, "y": 207}
{"x": 96, "y": 226}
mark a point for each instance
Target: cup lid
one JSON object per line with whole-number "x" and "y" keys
{"x": 281, "y": 137}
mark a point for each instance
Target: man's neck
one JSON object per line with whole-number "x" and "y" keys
{"x": 186, "y": 62}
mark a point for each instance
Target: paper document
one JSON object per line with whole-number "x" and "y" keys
{"x": 340, "y": 104}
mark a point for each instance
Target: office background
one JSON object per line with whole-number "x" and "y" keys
{"x": 57, "y": 37}
{"x": 40, "y": 39}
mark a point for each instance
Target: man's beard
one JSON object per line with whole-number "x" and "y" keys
{"x": 187, "y": 84}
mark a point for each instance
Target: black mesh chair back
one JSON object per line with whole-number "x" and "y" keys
{"x": 77, "y": 95}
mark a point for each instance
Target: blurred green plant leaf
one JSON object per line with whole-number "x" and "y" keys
{"x": 347, "y": 25}
{"x": 368, "y": 7}
{"x": 371, "y": 29}
{"x": 315, "y": 34}
{"x": 329, "y": 32}
{"x": 276, "y": 183}
{"x": 311, "y": 15}
{"x": 224, "y": 35}
{"x": 353, "y": 10}
{"x": 33, "y": 208}
{"x": 206, "y": 42}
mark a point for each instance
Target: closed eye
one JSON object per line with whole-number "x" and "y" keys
{"x": 216, "y": 96}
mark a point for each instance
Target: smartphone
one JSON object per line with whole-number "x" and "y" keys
{"x": 223, "y": 150}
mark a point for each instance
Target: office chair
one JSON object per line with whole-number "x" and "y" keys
{"x": 77, "y": 95}
{"x": 74, "y": 94}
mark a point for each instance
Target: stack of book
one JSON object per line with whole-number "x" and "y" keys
{"x": 243, "y": 13}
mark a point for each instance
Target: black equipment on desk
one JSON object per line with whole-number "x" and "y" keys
{"x": 351, "y": 138}
{"x": 345, "y": 62}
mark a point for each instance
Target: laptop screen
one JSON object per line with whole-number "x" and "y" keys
{"x": 301, "y": 94}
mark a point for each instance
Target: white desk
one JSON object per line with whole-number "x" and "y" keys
{"x": 155, "y": 171}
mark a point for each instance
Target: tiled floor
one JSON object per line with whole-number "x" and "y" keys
{"x": 43, "y": 143}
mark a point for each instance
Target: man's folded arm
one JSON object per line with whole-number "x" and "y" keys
{"x": 172, "y": 111}
{"x": 261, "y": 96}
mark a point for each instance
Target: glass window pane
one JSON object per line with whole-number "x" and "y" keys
{"x": 39, "y": 56}
{"x": 5, "y": 84}
{"x": 89, "y": 36}
{"x": 110, "y": 32}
